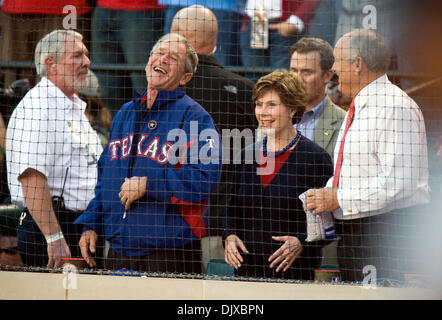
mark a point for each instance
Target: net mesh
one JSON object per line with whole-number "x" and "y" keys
{"x": 204, "y": 174}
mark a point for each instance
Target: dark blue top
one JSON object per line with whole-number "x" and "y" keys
{"x": 255, "y": 213}
{"x": 142, "y": 143}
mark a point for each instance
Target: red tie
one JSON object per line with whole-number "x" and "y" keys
{"x": 350, "y": 116}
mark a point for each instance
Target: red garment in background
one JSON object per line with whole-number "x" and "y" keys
{"x": 49, "y": 7}
{"x": 304, "y": 10}
{"x": 130, "y": 4}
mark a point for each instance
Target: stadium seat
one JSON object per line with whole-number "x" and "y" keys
{"x": 218, "y": 267}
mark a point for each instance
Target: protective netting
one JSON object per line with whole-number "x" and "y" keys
{"x": 239, "y": 140}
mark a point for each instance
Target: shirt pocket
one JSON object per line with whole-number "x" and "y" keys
{"x": 83, "y": 153}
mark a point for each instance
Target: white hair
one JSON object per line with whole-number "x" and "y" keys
{"x": 92, "y": 88}
{"x": 52, "y": 45}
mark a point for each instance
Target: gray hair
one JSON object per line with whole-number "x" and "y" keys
{"x": 52, "y": 45}
{"x": 371, "y": 47}
{"x": 191, "y": 56}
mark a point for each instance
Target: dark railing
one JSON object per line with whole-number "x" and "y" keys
{"x": 240, "y": 70}
{"x": 428, "y": 79}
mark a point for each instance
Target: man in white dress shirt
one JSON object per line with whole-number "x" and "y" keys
{"x": 52, "y": 152}
{"x": 381, "y": 166}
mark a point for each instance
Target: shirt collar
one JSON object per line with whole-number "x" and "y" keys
{"x": 78, "y": 103}
{"x": 319, "y": 108}
{"x": 371, "y": 89}
{"x": 162, "y": 98}
{"x": 62, "y": 100}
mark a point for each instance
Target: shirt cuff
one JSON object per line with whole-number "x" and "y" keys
{"x": 347, "y": 206}
{"x": 299, "y": 24}
{"x": 329, "y": 183}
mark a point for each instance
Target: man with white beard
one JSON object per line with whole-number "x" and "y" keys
{"x": 52, "y": 152}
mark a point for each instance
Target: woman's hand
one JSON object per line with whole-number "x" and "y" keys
{"x": 286, "y": 254}
{"x": 232, "y": 244}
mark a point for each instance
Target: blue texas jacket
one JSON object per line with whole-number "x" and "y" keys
{"x": 177, "y": 146}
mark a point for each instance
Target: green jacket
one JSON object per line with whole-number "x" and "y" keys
{"x": 327, "y": 129}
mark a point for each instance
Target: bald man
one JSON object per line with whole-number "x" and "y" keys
{"x": 225, "y": 95}
{"x": 381, "y": 168}
{"x": 229, "y": 15}
{"x": 199, "y": 25}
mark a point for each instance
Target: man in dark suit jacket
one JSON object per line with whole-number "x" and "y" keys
{"x": 226, "y": 96}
